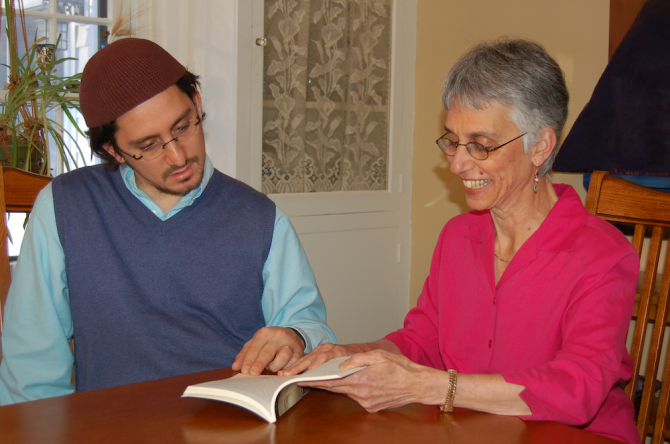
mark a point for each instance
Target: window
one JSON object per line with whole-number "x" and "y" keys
{"x": 80, "y": 28}
{"x": 326, "y": 89}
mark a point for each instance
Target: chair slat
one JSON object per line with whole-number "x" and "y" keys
{"x": 638, "y": 238}
{"x": 655, "y": 347}
{"x": 645, "y": 306}
{"x": 660, "y": 424}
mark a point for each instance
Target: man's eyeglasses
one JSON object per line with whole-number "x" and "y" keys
{"x": 476, "y": 150}
{"x": 181, "y": 134}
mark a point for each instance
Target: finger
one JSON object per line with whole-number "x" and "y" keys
{"x": 298, "y": 366}
{"x": 365, "y": 359}
{"x": 321, "y": 354}
{"x": 283, "y": 357}
{"x": 251, "y": 357}
{"x": 237, "y": 365}
{"x": 263, "y": 358}
{"x": 294, "y": 358}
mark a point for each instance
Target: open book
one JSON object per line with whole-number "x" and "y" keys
{"x": 267, "y": 396}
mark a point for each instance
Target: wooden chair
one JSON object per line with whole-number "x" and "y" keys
{"x": 618, "y": 200}
{"x": 18, "y": 191}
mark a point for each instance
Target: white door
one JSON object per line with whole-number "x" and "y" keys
{"x": 358, "y": 242}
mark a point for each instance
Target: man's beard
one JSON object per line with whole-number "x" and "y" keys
{"x": 171, "y": 170}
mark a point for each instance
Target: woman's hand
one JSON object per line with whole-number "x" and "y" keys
{"x": 390, "y": 380}
{"x": 325, "y": 352}
{"x": 321, "y": 354}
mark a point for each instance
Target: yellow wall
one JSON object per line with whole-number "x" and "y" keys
{"x": 574, "y": 32}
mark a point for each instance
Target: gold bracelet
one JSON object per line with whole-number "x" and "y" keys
{"x": 448, "y": 405}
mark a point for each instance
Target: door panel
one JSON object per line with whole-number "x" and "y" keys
{"x": 359, "y": 276}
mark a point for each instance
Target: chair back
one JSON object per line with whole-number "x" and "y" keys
{"x": 618, "y": 200}
{"x": 18, "y": 191}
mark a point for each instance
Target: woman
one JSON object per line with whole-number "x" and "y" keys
{"x": 529, "y": 297}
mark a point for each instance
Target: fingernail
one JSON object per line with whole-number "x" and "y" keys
{"x": 254, "y": 371}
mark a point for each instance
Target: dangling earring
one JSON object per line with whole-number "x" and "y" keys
{"x": 537, "y": 180}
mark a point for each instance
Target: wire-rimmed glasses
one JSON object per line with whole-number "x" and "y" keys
{"x": 181, "y": 134}
{"x": 476, "y": 150}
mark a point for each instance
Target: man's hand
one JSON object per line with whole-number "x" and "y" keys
{"x": 273, "y": 348}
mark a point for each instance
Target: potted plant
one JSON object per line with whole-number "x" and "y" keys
{"x": 27, "y": 123}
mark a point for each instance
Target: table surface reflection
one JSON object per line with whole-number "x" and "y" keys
{"x": 154, "y": 412}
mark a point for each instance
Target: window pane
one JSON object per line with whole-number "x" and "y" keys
{"x": 79, "y": 150}
{"x": 326, "y": 95}
{"x": 79, "y": 41}
{"x": 36, "y": 28}
{"x": 35, "y": 5}
{"x": 83, "y": 8}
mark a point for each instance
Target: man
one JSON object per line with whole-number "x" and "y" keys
{"x": 155, "y": 263}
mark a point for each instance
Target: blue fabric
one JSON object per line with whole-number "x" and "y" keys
{"x": 128, "y": 176}
{"x": 38, "y": 322}
{"x": 152, "y": 299}
{"x": 659, "y": 183}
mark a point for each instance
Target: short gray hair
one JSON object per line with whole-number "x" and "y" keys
{"x": 521, "y": 76}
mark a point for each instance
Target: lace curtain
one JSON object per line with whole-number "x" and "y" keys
{"x": 326, "y": 95}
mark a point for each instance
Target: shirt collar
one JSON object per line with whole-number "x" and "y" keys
{"x": 128, "y": 175}
{"x": 558, "y": 232}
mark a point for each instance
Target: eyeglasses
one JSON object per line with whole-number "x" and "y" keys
{"x": 183, "y": 133}
{"x": 476, "y": 150}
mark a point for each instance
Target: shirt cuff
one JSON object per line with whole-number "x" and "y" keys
{"x": 308, "y": 345}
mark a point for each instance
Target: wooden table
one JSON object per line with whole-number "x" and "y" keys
{"x": 153, "y": 412}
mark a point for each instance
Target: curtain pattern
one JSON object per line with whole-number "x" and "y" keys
{"x": 326, "y": 95}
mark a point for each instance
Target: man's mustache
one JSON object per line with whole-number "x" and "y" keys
{"x": 173, "y": 169}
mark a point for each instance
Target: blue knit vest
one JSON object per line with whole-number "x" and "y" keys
{"x": 152, "y": 299}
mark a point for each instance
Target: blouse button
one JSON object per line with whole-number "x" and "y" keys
{"x": 490, "y": 343}
{"x": 494, "y": 300}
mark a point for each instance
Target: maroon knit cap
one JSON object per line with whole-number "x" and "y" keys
{"x": 122, "y": 75}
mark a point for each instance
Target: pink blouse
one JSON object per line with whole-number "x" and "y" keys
{"x": 556, "y": 322}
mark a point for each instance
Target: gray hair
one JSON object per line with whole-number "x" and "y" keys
{"x": 521, "y": 76}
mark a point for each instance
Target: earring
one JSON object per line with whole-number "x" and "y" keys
{"x": 537, "y": 180}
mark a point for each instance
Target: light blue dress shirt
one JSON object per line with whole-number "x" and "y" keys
{"x": 37, "y": 360}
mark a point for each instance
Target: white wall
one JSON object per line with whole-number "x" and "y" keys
{"x": 202, "y": 35}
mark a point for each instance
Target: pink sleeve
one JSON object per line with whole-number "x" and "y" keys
{"x": 418, "y": 339}
{"x": 572, "y": 387}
